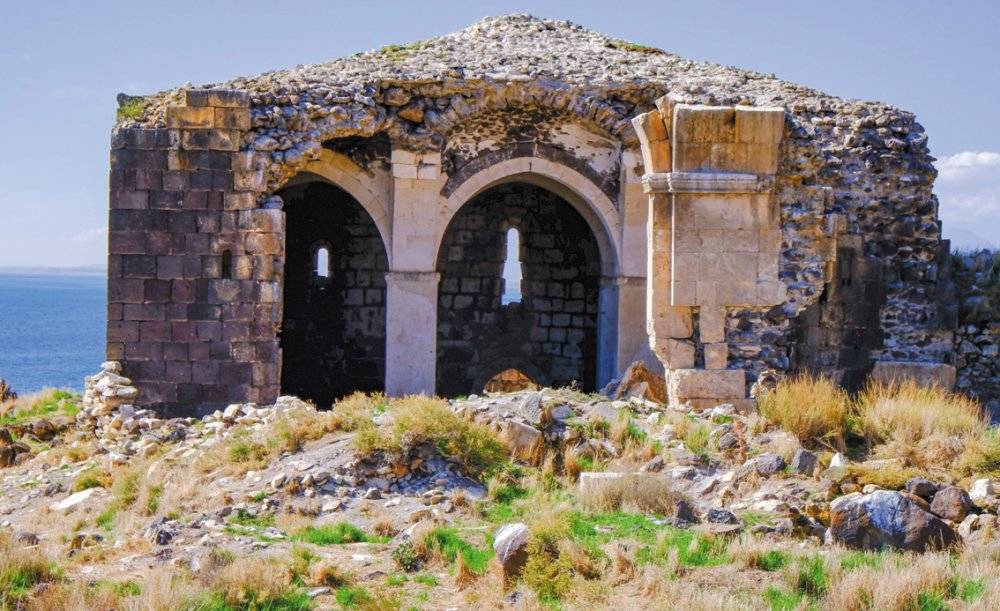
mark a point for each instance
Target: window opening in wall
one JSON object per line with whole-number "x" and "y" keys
{"x": 321, "y": 263}
{"x": 227, "y": 264}
{"x": 512, "y": 274}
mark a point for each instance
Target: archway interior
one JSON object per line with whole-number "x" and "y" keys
{"x": 551, "y": 333}
{"x": 333, "y": 331}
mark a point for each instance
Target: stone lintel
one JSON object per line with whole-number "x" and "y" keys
{"x": 705, "y": 182}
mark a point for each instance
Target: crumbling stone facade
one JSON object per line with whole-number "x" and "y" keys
{"x": 720, "y": 220}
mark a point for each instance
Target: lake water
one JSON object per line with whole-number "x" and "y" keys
{"x": 52, "y": 330}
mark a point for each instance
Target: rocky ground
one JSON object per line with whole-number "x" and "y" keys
{"x": 532, "y": 498}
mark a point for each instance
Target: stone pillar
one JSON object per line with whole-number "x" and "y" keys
{"x": 411, "y": 333}
{"x": 713, "y": 236}
{"x": 194, "y": 267}
{"x": 632, "y": 341}
{"x": 412, "y": 284}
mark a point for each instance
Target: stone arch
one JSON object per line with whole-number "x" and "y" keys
{"x": 368, "y": 189}
{"x": 333, "y": 329}
{"x": 552, "y": 332}
{"x": 595, "y": 111}
{"x": 596, "y": 208}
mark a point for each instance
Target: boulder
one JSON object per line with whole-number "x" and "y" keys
{"x": 523, "y": 440}
{"x": 765, "y": 465}
{"x": 983, "y": 493}
{"x": 952, "y": 503}
{"x": 886, "y": 519}
{"x": 638, "y": 381}
{"x": 510, "y": 544}
{"x": 684, "y": 514}
{"x": 718, "y": 515}
{"x": 922, "y": 487}
{"x": 803, "y": 462}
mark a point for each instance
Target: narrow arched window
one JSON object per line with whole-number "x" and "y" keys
{"x": 512, "y": 275}
{"x": 227, "y": 264}
{"x": 321, "y": 262}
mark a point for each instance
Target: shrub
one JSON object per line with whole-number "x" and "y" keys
{"x": 356, "y": 410}
{"x": 812, "y": 409}
{"x": 405, "y": 556}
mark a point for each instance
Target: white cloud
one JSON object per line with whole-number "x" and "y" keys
{"x": 968, "y": 188}
{"x": 89, "y": 235}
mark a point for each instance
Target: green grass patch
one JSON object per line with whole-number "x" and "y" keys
{"x": 132, "y": 108}
{"x": 635, "y": 47}
{"x": 693, "y": 548}
{"x": 812, "y": 579}
{"x": 54, "y": 403}
{"x": 425, "y": 579}
{"x": 106, "y": 518}
{"x": 17, "y": 581}
{"x": 931, "y": 601}
{"x": 396, "y": 579}
{"x": 850, "y": 561}
{"x": 92, "y": 478}
{"x": 971, "y": 590}
{"x": 772, "y": 560}
{"x": 753, "y": 518}
{"x": 292, "y": 600}
{"x": 449, "y": 544}
{"x": 335, "y": 534}
{"x": 782, "y": 600}
{"x": 352, "y": 597}
{"x": 153, "y": 499}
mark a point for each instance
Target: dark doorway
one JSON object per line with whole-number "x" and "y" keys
{"x": 333, "y": 333}
{"x": 545, "y": 326}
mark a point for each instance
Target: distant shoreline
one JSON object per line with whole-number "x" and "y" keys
{"x": 89, "y": 271}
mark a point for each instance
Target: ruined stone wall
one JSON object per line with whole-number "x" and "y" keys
{"x": 977, "y": 342}
{"x": 854, "y": 179}
{"x": 552, "y": 334}
{"x": 333, "y": 332}
{"x": 194, "y": 262}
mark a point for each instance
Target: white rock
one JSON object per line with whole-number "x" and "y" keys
{"x": 838, "y": 460}
{"x": 509, "y": 539}
{"x": 981, "y": 489}
{"x": 73, "y": 500}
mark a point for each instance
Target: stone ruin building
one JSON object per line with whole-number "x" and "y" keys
{"x": 345, "y": 226}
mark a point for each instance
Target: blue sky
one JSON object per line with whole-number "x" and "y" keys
{"x": 62, "y": 64}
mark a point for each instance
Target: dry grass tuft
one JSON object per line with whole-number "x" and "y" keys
{"x": 930, "y": 428}
{"x": 251, "y": 580}
{"x": 907, "y": 413}
{"x": 326, "y": 573}
{"x": 646, "y": 493}
{"x": 384, "y": 528}
{"x": 464, "y": 577}
{"x": 813, "y": 409}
